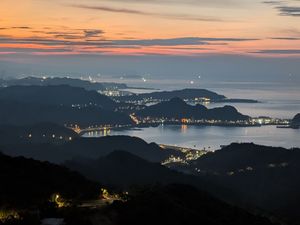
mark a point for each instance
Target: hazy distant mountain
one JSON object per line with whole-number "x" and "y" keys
{"x": 23, "y": 113}
{"x": 167, "y": 95}
{"x": 54, "y": 81}
{"x": 296, "y": 121}
{"x": 186, "y": 94}
{"x": 62, "y": 95}
{"x": 177, "y": 108}
{"x": 63, "y": 105}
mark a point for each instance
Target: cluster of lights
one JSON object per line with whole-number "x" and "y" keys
{"x": 158, "y": 120}
{"x": 59, "y": 201}
{"x": 79, "y": 106}
{"x": 151, "y": 100}
{"x": 53, "y": 136}
{"x": 8, "y": 214}
{"x": 94, "y": 129}
{"x": 189, "y": 155}
{"x": 269, "y": 121}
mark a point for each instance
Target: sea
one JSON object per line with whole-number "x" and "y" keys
{"x": 276, "y": 100}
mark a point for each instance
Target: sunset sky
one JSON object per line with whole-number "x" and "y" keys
{"x": 256, "y": 28}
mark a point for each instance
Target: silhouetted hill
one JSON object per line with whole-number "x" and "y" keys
{"x": 186, "y": 94}
{"x": 26, "y": 183}
{"x": 20, "y": 113}
{"x": 181, "y": 204}
{"x": 62, "y": 95}
{"x": 265, "y": 177}
{"x": 37, "y": 133}
{"x": 167, "y": 95}
{"x": 106, "y": 145}
{"x": 296, "y": 121}
{"x": 123, "y": 169}
{"x": 178, "y": 109}
{"x": 29, "y": 81}
{"x": 256, "y": 156}
{"x": 91, "y": 148}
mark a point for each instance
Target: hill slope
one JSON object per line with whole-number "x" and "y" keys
{"x": 62, "y": 95}
{"x": 296, "y": 121}
{"x": 27, "y": 182}
{"x": 123, "y": 169}
{"x": 36, "y": 133}
{"x": 177, "y": 108}
{"x": 20, "y": 113}
{"x": 91, "y": 148}
{"x": 265, "y": 177}
{"x": 29, "y": 81}
{"x": 167, "y": 95}
{"x": 181, "y": 204}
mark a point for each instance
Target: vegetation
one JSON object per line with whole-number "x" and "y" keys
{"x": 93, "y": 149}
{"x": 178, "y": 109}
{"x": 167, "y": 95}
{"x": 27, "y": 183}
{"x": 181, "y": 204}
{"x": 187, "y": 94}
{"x": 260, "y": 176}
{"x": 296, "y": 121}
{"x": 260, "y": 179}
{"x": 37, "y": 133}
{"x": 62, "y": 95}
{"x": 122, "y": 169}
{"x": 54, "y": 81}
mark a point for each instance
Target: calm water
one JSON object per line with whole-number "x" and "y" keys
{"x": 212, "y": 137}
{"x": 278, "y": 100}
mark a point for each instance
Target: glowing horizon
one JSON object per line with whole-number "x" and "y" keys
{"x": 145, "y": 27}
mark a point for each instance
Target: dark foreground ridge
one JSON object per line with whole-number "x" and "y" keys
{"x": 27, "y": 183}
{"x": 123, "y": 169}
{"x": 181, "y": 204}
{"x": 261, "y": 176}
{"x": 32, "y": 190}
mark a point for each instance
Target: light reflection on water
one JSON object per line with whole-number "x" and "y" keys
{"x": 278, "y": 100}
{"x": 212, "y": 137}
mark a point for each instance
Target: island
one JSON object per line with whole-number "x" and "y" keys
{"x": 54, "y": 81}
{"x": 194, "y": 96}
{"x": 177, "y": 111}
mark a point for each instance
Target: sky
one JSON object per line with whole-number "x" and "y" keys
{"x": 159, "y": 37}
